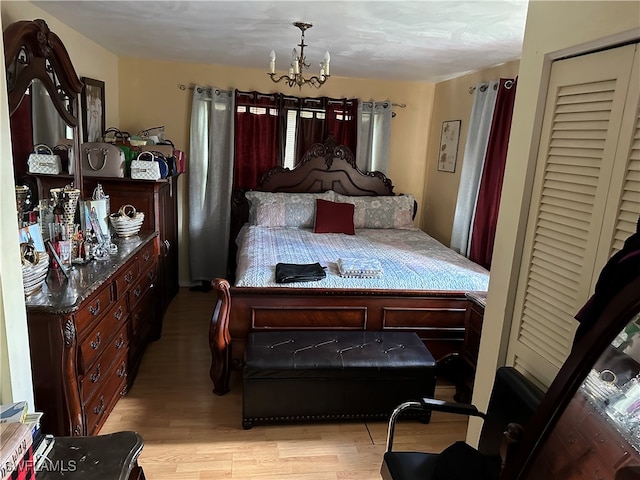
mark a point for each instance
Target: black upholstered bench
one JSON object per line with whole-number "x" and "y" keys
{"x": 332, "y": 375}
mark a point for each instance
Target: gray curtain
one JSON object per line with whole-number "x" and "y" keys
{"x": 374, "y": 132}
{"x": 472, "y": 164}
{"x": 48, "y": 126}
{"x": 210, "y": 181}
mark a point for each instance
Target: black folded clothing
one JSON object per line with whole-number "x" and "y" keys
{"x": 294, "y": 272}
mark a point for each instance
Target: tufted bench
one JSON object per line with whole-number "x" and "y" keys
{"x": 322, "y": 375}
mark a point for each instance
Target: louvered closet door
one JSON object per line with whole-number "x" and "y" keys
{"x": 575, "y": 205}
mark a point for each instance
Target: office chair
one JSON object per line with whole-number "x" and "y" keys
{"x": 513, "y": 401}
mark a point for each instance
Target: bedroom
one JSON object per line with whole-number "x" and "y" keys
{"x": 131, "y": 104}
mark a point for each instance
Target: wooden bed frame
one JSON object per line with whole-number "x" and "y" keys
{"x": 436, "y": 316}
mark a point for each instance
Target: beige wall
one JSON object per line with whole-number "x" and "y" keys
{"x": 553, "y": 29}
{"x": 149, "y": 96}
{"x": 90, "y": 60}
{"x": 452, "y": 101}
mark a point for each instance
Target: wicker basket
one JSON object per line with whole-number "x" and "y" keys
{"x": 127, "y": 221}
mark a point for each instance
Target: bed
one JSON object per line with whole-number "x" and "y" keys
{"x": 425, "y": 304}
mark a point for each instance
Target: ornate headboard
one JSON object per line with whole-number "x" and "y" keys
{"x": 325, "y": 166}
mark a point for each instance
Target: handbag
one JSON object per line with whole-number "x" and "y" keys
{"x": 149, "y": 165}
{"x": 100, "y": 159}
{"x": 169, "y": 152}
{"x": 47, "y": 163}
{"x": 294, "y": 272}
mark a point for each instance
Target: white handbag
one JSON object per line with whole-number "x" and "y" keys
{"x": 47, "y": 163}
{"x": 145, "y": 169}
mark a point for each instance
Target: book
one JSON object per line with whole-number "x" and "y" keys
{"x": 14, "y": 412}
{"x": 15, "y": 445}
{"x": 42, "y": 451}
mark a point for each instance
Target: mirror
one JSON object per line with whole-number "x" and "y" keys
{"x": 39, "y": 69}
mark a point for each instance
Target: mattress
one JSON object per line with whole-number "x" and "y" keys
{"x": 409, "y": 259}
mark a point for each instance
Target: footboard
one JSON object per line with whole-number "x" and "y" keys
{"x": 437, "y": 317}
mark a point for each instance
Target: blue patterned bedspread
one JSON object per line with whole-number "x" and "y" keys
{"x": 410, "y": 259}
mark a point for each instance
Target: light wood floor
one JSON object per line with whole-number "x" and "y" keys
{"x": 190, "y": 433}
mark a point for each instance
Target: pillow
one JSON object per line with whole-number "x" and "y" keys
{"x": 270, "y": 209}
{"x": 332, "y": 217}
{"x": 384, "y": 211}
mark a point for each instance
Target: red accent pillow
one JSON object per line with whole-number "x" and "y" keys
{"x": 332, "y": 217}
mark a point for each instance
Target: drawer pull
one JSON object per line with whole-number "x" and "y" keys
{"x": 151, "y": 274}
{"x": 137, "y": 292}
{"x": 118, "y": 313}
{"x": 128, "y": 277}
{"x": 146, "y": 256}
{"x": 95, "y": 376}
{"x": 120, "y": 342}
{"x": 98, "y": 408}
{"x": 122, "y": 371}
{"x": 95, "y": 310}
{"x": 96, "y": 343}
{"x": 167, "y": 246}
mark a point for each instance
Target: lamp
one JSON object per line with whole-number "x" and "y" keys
{"x": 298, "y": 64}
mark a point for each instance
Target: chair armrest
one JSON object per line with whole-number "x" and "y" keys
{"x": 429, "y": 404}
{"x": 451, "y": 407}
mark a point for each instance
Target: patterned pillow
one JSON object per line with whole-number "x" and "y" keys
{"x": 270, "y": 209}
{"x": 381, "y": 212}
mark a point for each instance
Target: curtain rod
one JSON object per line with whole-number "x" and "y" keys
{"x": 508, "y": 84}
{"x": 182, "y": 86}
{"x": 217, "y": 91}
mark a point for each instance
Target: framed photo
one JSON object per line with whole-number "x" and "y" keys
{"x": 93, "y": 118}
{"x": 449, "y": 138}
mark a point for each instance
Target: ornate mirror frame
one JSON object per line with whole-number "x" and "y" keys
{"x": 619, "y": 310}
{"x": 33, "y": 51}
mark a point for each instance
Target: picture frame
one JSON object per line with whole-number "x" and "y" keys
{"x": 449, "y": 139}
{"x": 93, "y": 109}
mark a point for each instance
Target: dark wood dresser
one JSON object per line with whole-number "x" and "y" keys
{"x": 157, "y": 200}
{"x": 87, "y": 335}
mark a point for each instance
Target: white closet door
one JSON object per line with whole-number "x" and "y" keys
{"x": 573, "y": 193}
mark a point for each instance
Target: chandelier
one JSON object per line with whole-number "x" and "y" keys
{"x": 298, "y": 64}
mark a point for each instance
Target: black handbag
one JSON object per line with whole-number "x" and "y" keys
{"x": 294, "y": 272}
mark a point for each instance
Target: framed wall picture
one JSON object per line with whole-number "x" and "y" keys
{"x": 449, "y": 138}
{"x": 93, "y": 117}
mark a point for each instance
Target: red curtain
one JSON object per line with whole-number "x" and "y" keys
{"x": 486, "y": 216}
{"x": 342, "y": 121}
{"x": 256, "y": 138}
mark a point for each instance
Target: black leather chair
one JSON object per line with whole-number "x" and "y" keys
{"x": 513, "y": 401}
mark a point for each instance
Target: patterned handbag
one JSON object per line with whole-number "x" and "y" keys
{"x": 149, "y": 166}
{"x": 47, "y": 162}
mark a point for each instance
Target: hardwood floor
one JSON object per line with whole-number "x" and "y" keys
{"x": 190, "y": 433}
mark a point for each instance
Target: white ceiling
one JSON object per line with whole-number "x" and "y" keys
{"x": 426, "y": 41}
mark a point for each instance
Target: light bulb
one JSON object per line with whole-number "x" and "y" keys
{"x": 272, "y": 62}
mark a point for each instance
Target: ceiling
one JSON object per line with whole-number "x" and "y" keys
{"x": 427, "y": 41}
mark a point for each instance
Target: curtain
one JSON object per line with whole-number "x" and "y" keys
{"x": 311, "y": 126}
{"x": 472, "y": 164}
{"x": 48, "y": 126}
{"x": 256, "y": 137}
{"x": 486, "y": 217}
{"x": 210, "y": 182}
{"x": 342, "y": 122}
{"x": 374, "y": 132}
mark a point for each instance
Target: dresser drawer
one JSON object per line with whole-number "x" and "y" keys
{"x": 93, "y": 309}
{"x": 147, "y": 256}
{"x": 99, "y": 338}
{"x": 142, "y": 317}
{"x": 146, "y": 282}
{"x": 107, "y": 365}
{"x": 101, "y": 404}
{"x": 126, "y": 278}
